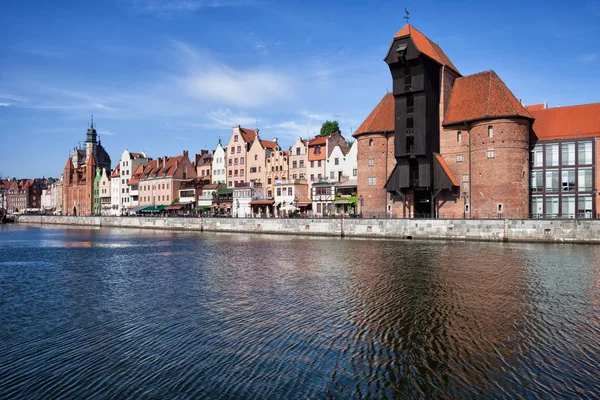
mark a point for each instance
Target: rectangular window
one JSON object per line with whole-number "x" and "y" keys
{"x": 537, "y": 181}
{"x": 336, "y": 161}
{"x": 242, "y": 160}
{"x": 231, "y": 161}
{"x": 584, "y": 206}
{"x": 491, "y": 154}
{"x": 252, "y": 170}
{"x": 568, "y": 180}
{"x": 371, "y": 162}
{"x": 552, "y": 180}
{"x": 372, "y": 181}
{"x": 551, "y": 206}
{"x": 465, "y": 178}
{"x": 552, "y": 155}
{"x": 585, "y": 153}
{"x": 232, "y": 149}
{"x": 230, "y": 172}
{"x": 318, "y": 150}
{"x": 312, "y": 164}
{"x": 568, "y": 153}
{"x": 568, "y": 207}
{"x": 239, "y": 148}
{"x": 278, "y": 191}
{"x": 241, "y": 172}
{"x": 584, "y": 180}
{"x": 235, "y": 161}
{"x": 319, "y": 208}
{"x": 312, "y": 177}
{"x": 459, "y": 158}
{"x": 301, "y": 163}
{"x": 537, "y": 156}
{"x": 319, "y": 164}
{"x": 354, "y": 172}
{"x": 268, "y": 181}
{"x": 290, "y": 193}
{"x": 294, "y": 164}
{"x": 297, "y": 151}
{"x": 332, "y": 175}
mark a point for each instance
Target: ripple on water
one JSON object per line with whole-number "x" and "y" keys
{"x": 137, "y": 314}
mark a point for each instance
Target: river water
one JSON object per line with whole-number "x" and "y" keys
{"x": 111, "y": 313}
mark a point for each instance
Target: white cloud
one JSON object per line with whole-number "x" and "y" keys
{"x": 208, "y": 80}
{"x": 225, "y": 118}
{"x": 292, "y": 129}
{"x": 4, "y": 104}
{"x": 106, "y": 133}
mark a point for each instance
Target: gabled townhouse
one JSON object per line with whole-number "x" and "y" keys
{"x": 161, "y": 180}
{"x": 115, "y": 188}
{"x": 203, "y": 164}
{"x": 5, "y": 184}
{"x": 291, "y": 196}
{"x": 24, "y": 195}
{"x": 219, "y": 169}
{"x": 277, "y": 168}
{"x": 129, "y": 163}
{"x": 237, "y": 150}
{"x": 105, "y": 193}
{"x": 258, "y": 154}
{"x": 48, "y": 197}
{"x": 298, "y": 159}
{"x": 323, "y": 196}
{"x": 319, "y": 149}
{"x": 342, "y": 163}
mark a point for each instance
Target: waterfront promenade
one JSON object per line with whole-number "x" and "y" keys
{"x": 502, "y": 230}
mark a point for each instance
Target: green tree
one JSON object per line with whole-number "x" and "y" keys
{"x": 329, "y": 128}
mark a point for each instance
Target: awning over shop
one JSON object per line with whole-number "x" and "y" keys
{"x": 137, "y": 208}
{"x": 304, "y": 203}
{"x": 261, "y": 202}
{"x": 174, "y": 207}
{"x": 154, "y": 208}
{"x": 200, "y": 208}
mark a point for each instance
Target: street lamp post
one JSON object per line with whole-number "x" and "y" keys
{"x": 296, "y": 203}
{"x": 465, "y": 195}
{"x": 362, "y": 203}
{"x": 237, "y": 206}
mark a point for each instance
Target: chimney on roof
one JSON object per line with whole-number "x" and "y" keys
{"x": 164, "y": 161}
{"x": 275, "y": 140}
{"x": 185, "y": 153}
{"x": 545, "y": 104}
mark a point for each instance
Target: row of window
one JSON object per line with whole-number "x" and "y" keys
{"x": 290, "y": 191}
{"x": 156, "y": 198}
{"x": 563, "y": 180}
{"x": 154, "y": 187}
{"x": 554, "y": 154}
{"x": 233, "y": 161}
{"x": 295, "y": 164}
{"x": 235, "y": 172}
{"x": 490, "y": 131}
{"x": 565, "y": 206}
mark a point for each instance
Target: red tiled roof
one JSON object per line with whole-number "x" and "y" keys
{"x": 381, "y": 118}
{"x": 69, "y": 164}
{"x": 426, "y": 46}
{"x": 319, "y": 140}
{"x": 482, "y": 96}
{"x": 567, "y": 122}
{"x": 116, "y": 172}
{"x": 446, "y": 169}
{"x": 286, "y": 153}
{"x": 267, "y": 144}
{"x": 535, "y": 107}
{"x": 135, "y": 178}
{"x": 248, "y": 134}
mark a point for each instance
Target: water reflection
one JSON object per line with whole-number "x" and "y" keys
{"x": 139, "y": 313}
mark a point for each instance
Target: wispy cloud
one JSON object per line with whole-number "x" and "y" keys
{"x": 257, "y": 44}
{"x": 225, "y": 118}
{"x": 4, "y": 104}
{"x": 176, "y": 6}
{"x": 106, "y": 133}
{"x": 206, "y": 79}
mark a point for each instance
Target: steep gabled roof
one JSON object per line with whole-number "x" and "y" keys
{"x": 426, "y": 46}
{"x": 248, "y": 134}
{"x": 482, "y": 96}
{"x": 69, "y": 164}
{"x": 319, "y": 140}
{"x": 569, "y": 122}
{"x": 381, "y": 118}
{"x": 135, "y": 178}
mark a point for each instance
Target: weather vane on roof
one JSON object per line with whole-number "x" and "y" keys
{"x": 406, "y": 17}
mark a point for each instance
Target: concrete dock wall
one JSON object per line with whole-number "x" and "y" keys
{"x": 526, "y": 230}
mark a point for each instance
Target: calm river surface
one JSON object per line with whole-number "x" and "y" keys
{"x": 110, "y": 313}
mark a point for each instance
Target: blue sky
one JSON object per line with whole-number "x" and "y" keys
{"x": 163, "y": 76}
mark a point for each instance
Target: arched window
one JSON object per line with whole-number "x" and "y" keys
{"x": 370, "y": 142}
{"x": 459, "y": 136}
{"x": 490, "y": 131}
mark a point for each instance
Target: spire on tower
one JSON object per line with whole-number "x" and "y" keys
{"x": 92, "y": 125}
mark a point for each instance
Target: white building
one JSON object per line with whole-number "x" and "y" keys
{"x": 49, "y": 198}
{"x": 219, "y": 164}
{"x": 115, "y": 189}
{"x": 129, "y": 163}
{"x": 342, "y": 163}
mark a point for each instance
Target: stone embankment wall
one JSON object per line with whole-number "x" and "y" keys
{"x": 526, "y": 230}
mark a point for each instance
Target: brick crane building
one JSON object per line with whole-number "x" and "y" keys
{"x": 446, "y": 145}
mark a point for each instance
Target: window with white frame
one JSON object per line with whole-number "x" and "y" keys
{"x": 459, "y": 158}
{"x": 491, "y": 154}
{"x": 372, "y": 181}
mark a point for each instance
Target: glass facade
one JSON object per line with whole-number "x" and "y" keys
{"x": 562, "y": 179}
